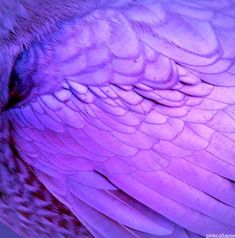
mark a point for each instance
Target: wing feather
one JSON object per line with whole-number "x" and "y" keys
{"x": 131, "y": 122}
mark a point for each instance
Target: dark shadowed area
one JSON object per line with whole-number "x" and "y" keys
{"x": 5, "y": 232}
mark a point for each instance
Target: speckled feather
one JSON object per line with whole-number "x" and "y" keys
{"x": 27, "y": 207}
{"x": 127, "y": 117}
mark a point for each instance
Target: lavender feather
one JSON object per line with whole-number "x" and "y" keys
{"x": 122, "y": 113}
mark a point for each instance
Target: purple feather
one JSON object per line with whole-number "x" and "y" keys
{"x": 117, "y": 118}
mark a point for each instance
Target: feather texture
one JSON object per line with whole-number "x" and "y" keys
{"x": 130, "y": 121}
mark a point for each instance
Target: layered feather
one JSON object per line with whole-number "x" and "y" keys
{"x": 131, "y": 120}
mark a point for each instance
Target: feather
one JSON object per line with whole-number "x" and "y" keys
{"x": 130, "y": 120}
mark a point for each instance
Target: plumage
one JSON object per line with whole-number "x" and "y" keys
{"x": 122, "y": 113}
